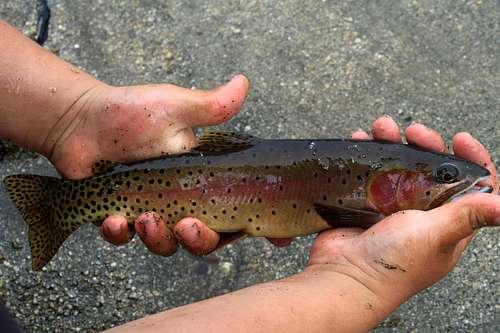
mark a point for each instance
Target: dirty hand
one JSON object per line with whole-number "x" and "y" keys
{"x": 410, "y": 249}
{"x": 132, "y": 123}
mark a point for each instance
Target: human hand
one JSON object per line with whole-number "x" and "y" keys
{"x": 410, "y": 249}
{"x": 140, "y": 122}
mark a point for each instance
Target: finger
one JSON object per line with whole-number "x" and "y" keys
{"x": 280, "y": 242}
{"x": 426, "y": 138}
{"x": 360, "y": 135}
{"x": 115, "y": 230}
{"x": 155, "y": 234}
{"x": 467, "y": 147}
{"x": 459, "y": 249}
{"x": 202, "y": 108}
{"x": 386, "y": 129}
{"x": 458, "y": 220}
{"x": 195, "y": 236}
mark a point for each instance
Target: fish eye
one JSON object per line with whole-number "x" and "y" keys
{"x": 447, "y": 173}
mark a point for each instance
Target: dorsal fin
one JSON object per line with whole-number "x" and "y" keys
{"x": 347, "y": 217}
{"x": 102, "y": 166}
{"x": 218, "y": 143}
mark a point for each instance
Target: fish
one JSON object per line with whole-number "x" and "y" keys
{"x": 238, "y": 183}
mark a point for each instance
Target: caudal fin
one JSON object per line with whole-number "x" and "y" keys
{"x": 35, "y": 198}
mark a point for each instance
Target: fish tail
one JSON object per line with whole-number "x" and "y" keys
{"x": 36, "y": 199}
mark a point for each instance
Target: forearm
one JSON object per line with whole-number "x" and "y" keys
{"x": 308, "y": 302}
{"x": 38, "y": 92}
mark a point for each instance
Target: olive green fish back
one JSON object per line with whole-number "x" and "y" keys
{"x": 34, "y": 198}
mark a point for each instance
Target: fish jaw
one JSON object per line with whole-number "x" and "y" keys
{"x": 466, "y": 186}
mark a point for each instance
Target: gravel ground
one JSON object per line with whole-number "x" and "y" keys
{"x": 317, "y": 69}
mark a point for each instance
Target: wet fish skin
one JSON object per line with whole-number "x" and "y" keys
{"x": 238, "y": 183}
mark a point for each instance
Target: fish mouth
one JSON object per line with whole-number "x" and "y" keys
{"x": 464, "y": 188}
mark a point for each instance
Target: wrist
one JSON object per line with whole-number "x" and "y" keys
{"x": 73, "y": 110}
{"x": 351, "y": 293}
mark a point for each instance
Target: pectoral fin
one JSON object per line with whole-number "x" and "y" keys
{"x": 347, "y": 217}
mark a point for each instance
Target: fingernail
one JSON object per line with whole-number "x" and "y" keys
{"x": 189, "y": 234}
{"x": 114, "y": 229}
{"x": 497, "y": 221}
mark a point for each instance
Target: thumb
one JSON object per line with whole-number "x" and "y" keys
{"x": 212, "y": 107}
{"x": 458, "y": 220}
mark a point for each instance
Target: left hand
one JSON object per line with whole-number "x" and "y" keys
{"x": 140, "y": 122}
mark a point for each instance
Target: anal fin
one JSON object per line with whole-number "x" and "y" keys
{"x": 229, "y": 237}
{"x": 347, "y": 217}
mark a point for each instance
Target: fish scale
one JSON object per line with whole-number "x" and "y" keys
{"x": 238, "y": 183}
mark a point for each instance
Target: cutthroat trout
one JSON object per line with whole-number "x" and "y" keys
{"x": 240, "y": 183}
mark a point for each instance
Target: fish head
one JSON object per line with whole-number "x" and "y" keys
{"x": 422, "y": 181}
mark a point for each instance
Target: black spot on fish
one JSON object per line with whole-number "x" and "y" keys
{"x": 359, "y": 177}
{"x": 344, "y": 181}
{"x": 340, "y": 202}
